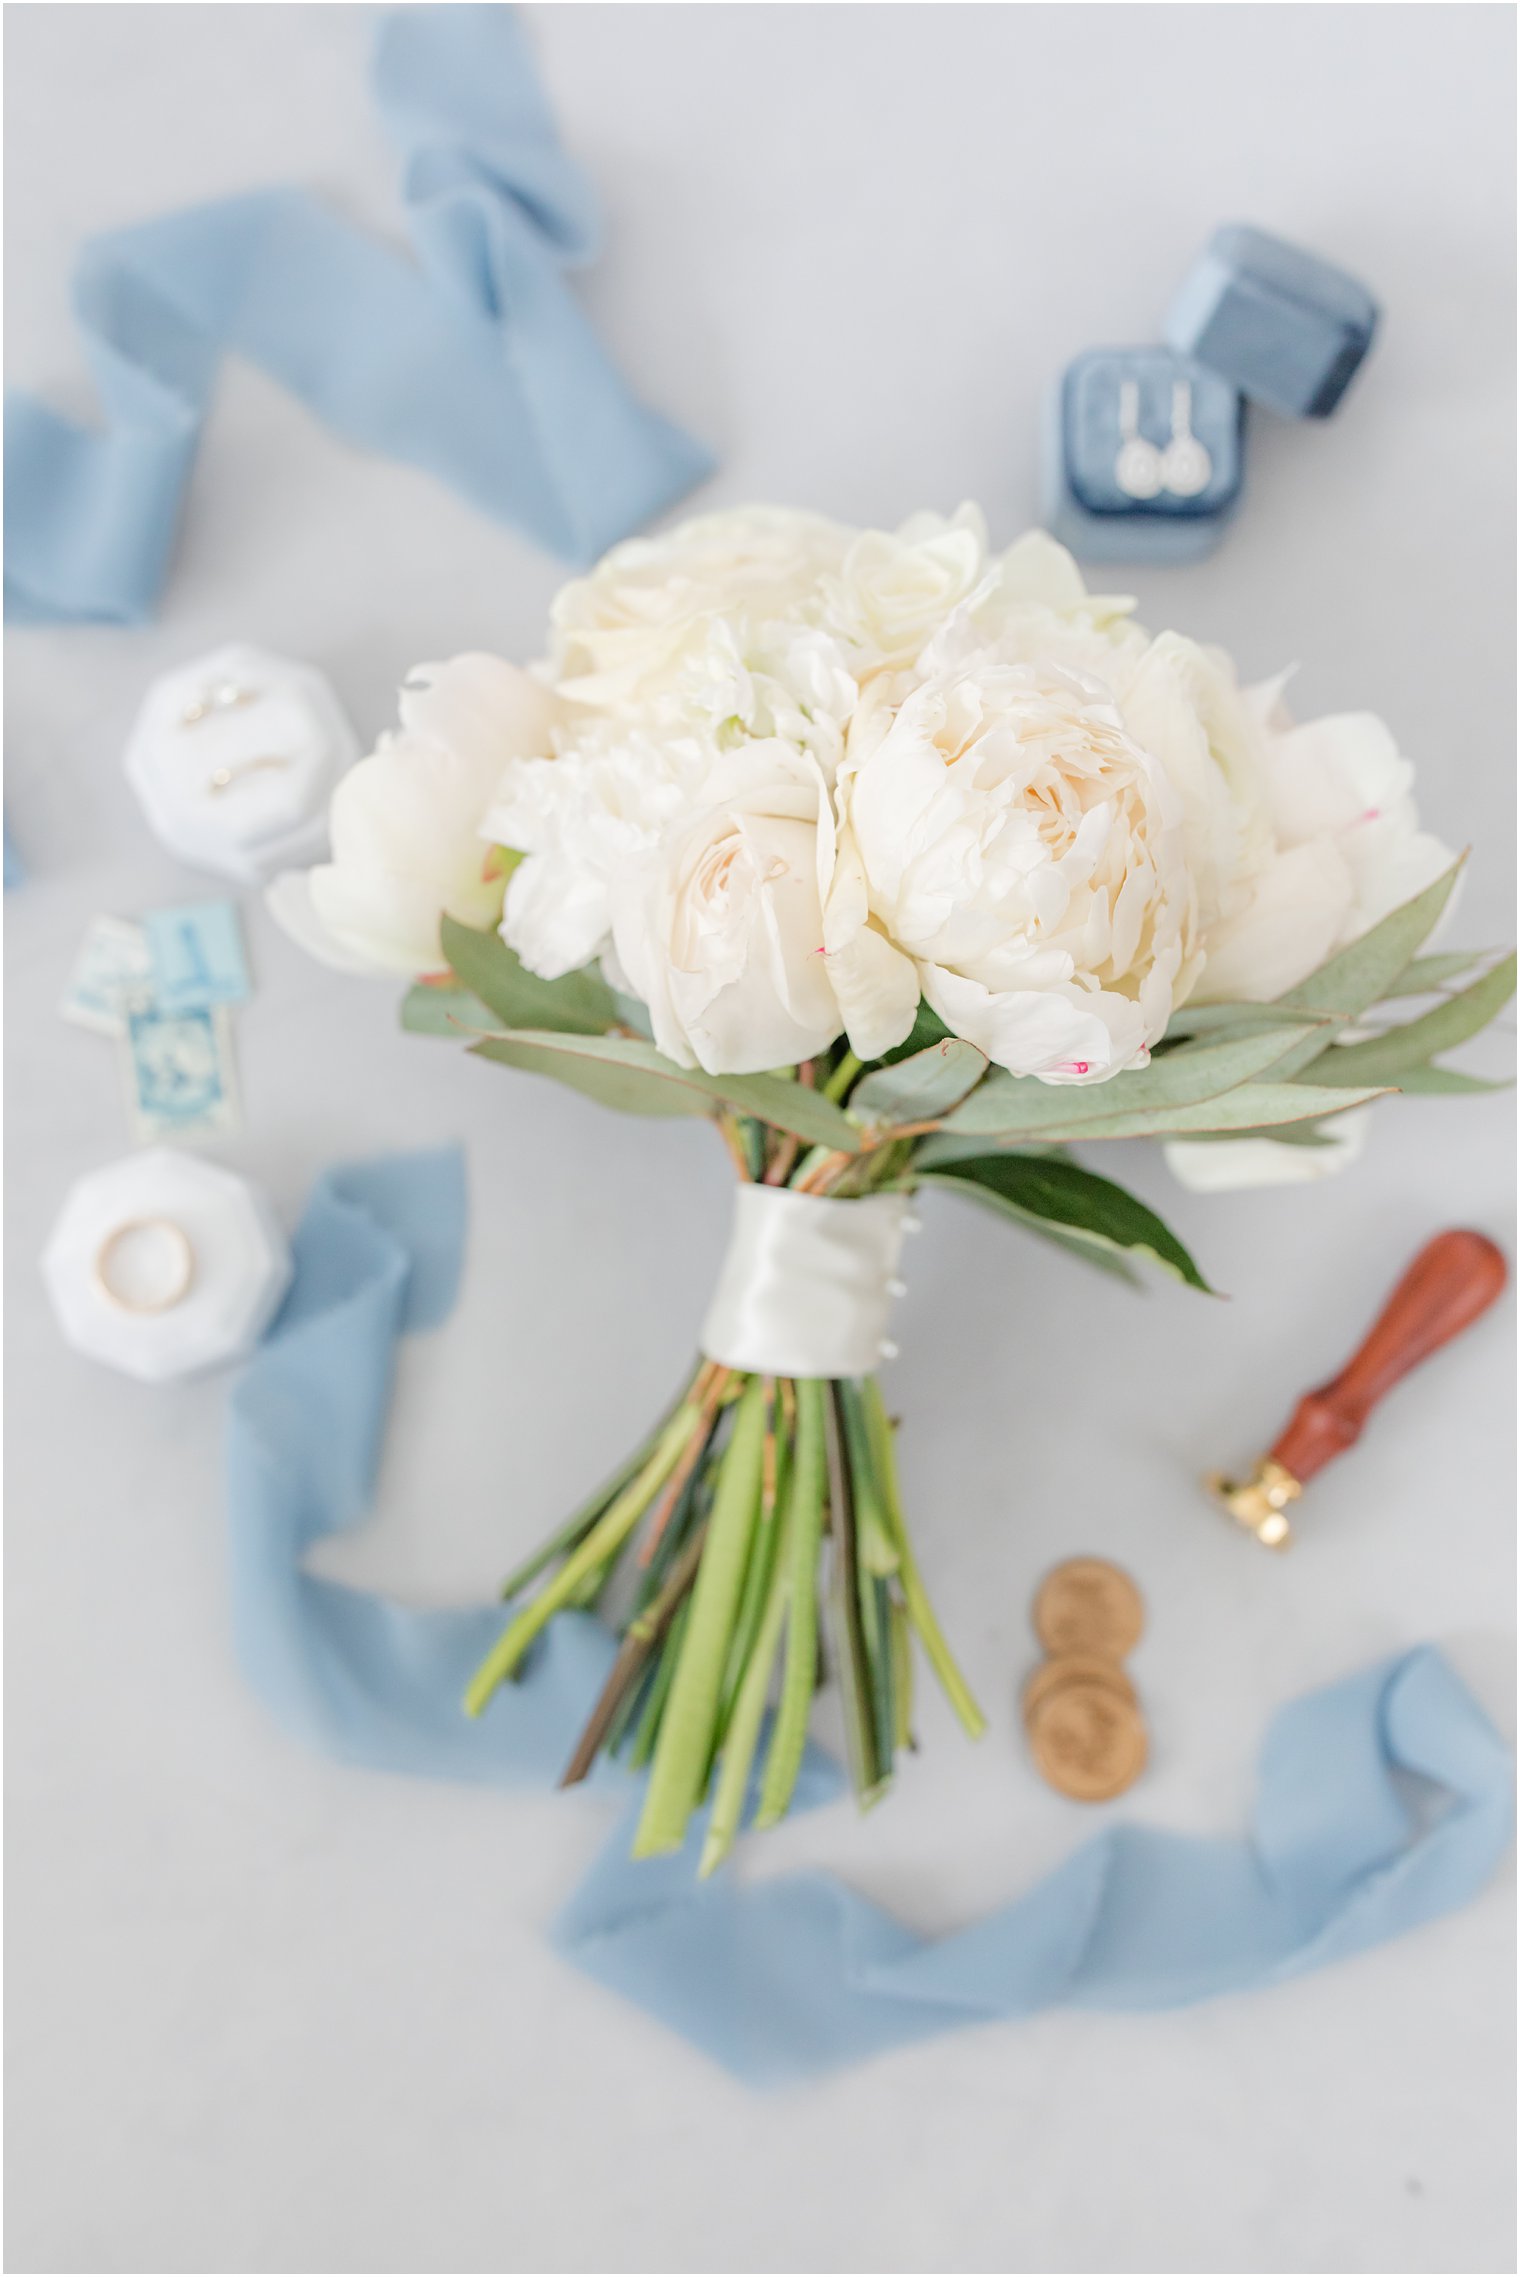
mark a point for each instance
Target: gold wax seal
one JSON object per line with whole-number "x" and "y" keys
{"x": 1088, "y": 1740}
{"x": 1081, "y": 1714}
{"x": 1087, "y": 1605}
{"x": 1065, "y": 1668}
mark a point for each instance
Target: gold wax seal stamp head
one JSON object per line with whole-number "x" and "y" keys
{"x": 1260, "y": 1502}
{"x": 1450, "y": 1284}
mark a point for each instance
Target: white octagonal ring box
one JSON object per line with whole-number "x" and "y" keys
{"x": 164, "y": 1265}
{"x": 234, "y": 758}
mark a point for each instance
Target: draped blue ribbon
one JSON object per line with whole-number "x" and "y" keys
{"x": 475, "y": 364}
{"x": 793, "y": 1977}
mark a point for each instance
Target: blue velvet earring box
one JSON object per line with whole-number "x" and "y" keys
{"x": 1286, "y": 328}
{"x": 1087, "y": 507}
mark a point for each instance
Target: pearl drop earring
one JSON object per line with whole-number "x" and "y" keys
{"x": 1186, "y": 467}
{"x": 1137, "y": 469}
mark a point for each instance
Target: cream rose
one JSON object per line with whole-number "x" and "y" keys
{"x": 895, "y": 590}
{"x": 405, "y": 822}
{"x": 720, "y": 928}
{"x": 1017, "y": 855}
{"x": 622, "y": 635}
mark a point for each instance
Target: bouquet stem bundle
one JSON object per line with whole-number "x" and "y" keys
{"x": 758, "y": 1533}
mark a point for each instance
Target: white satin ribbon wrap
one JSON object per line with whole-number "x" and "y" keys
{"x": 807, "y": 1285}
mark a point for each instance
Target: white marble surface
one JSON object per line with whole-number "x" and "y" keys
{"x": 269, "y": 2014}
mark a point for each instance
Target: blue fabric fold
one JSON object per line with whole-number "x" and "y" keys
{"x": 1383, "y": 1800}
{"x": 474, "y": 363}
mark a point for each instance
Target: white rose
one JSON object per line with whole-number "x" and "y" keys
{"x": 1017, "y": 855}
{"x": 1033, "y": 606}
{"x": 1346, "y": 848}
{"x": 896, "y": 589}
{"x": 621, "y": 634}
{"x": 720, "y": 930}
{"x": 405, "y": 822}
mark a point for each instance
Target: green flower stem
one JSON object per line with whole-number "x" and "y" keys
{"x": 920, "y": 1612}
{"x": 683, "y": 1751}
{"x": 659, "y": 1691}
{"x": 876, "y": 1630}
{"x": 809, "y": 1491}
{"x": 867, "y": 1770}
{"x": 757, "y": 1579}
{"x": 575, "y": 1529}
{"x": 877, "y": 1548}
{"x": 605, "y": 1538}
{"x": 642, "y": 1635}
{"x": 629, "y": 1707}
{"x": 811, "y": 1161}
{"x": 843, "y": 1076}
{"x": 902, "y": 1673}
{"x": 743, "y": 1733}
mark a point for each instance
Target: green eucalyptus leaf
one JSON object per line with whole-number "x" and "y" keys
{"x": 1019, "y": 1106}
{"x": 631, "y": 1077}
{"x": 1062, "y": 1196}
{"x": 626, "y": 1073}
{"x": 1250, "y": 1107}
{"x": 1386, "y": 1058}
{"x": 1428, "y": 973}
{"x": 579, "y": 1004}
{"x": 919, "y": 1089}
{"x": 1218, "y": 1023}
{"x": 944, "y": 1146}
{"x": 1356, "y": 977}
{"x": 427, "y": 1010}
{"x": 1438, "y": 1082}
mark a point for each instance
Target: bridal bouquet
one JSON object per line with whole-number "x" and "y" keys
{"x": 903, "y": 864}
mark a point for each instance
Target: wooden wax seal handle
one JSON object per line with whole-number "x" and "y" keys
{"x": 1454, "y": 1279}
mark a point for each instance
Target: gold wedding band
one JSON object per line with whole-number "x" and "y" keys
{"x": 219, "y": 696}
{"x": 226, "y": 777}
{"x": 184, "y": 1263}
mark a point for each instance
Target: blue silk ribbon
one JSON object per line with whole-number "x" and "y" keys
{"x": 475, "y": 363}
{"x": 1383, "y": 1800}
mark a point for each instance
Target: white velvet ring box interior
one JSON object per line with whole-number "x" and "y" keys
{"x": 234, "y": 758}
{"x": 164, "y": 1265}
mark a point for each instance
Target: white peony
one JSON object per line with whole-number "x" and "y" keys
{"x": 1344, "y": 847}
{"x": 1227, "y": 1166}
{"x": 1018, "y": 857}
{"x": 405, "y": 822}
{"x": 720, "y": 928}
